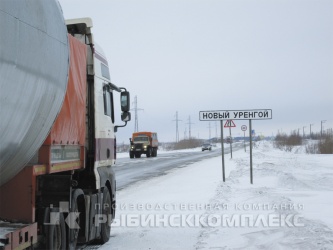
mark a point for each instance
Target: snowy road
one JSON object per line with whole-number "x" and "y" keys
{"x": 129, "y": 171}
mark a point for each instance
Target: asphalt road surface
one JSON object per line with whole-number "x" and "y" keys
{"x": 129, "y": 171}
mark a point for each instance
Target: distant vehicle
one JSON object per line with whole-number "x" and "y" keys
{"x": 229, "y": 139}
{"x": 206, "y": 146}
{"x": 143, "y": 143}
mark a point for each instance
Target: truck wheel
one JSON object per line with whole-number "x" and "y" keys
{"x": 148, "y": 152}
{"x": 55, "y": 231}
{"x": 155, "y": 152}
{"x": 107, "y": 211}
{"x": 131, "y": 155}
{"x": 74, "y": 226}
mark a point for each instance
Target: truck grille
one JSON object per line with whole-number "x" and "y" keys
{"x": 138, "y": 146}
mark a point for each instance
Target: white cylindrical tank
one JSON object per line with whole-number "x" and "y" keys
{"x": 34, "y": 62}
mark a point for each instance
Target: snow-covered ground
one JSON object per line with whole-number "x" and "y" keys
{"x": 289, "y": 206}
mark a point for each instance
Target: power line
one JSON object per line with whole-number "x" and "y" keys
{"x": 136, "y": 109}
{"x": 189, "y": 127}
{"x": 177, "y": 131}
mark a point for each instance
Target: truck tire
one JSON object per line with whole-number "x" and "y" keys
{"x": 149, "y": 152}
{"x": 107, "y": 211}
{"x": 154, "y": 152}
{"x": 57, "y": 234}
{"x": 131, "y": 155}
{"x": 73, "y": 231}
{"x": 55, "y": 231}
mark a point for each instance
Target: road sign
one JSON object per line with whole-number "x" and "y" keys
{"x": 230, "y": 115}
{"x": 253, "y": 114}
{"x": 229, "y": 124}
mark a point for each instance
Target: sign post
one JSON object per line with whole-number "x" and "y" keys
{"x": 250, "y": 132}
{"x": 244, "y": 128}
{"x": 230, "y": 142}
{"x": 222, "y": 148}
{"x": 230, "y": 124}
{"x": 229, "y": 115}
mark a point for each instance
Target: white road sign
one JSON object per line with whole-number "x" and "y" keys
{"x": 253, "y": 114}
{"x": 243, "y": 127}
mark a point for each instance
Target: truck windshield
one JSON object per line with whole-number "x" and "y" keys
{"x": 140, "y": 138}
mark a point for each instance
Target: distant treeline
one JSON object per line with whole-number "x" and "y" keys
{"x": 317, "y": 143}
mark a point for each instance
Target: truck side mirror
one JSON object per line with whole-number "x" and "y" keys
{"x": 126, "y": 116}
{"x": 125, "y": 107}
{"x": 125, "y": 103}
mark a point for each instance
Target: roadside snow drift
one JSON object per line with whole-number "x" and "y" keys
{"x": 289, "y": 206}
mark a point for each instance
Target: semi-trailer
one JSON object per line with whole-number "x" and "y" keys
{"x": 57, "y": 129}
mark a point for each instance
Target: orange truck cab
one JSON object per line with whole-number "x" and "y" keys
{"x": 143, "y": 143}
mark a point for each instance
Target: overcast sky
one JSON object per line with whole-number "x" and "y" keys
{"x": 195, "y": 55}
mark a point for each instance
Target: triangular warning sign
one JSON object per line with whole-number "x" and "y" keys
{"x": 229, "y": 124}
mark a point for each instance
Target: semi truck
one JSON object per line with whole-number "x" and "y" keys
{"x": 143, "y": 143}
{"x": 57, "y": 129}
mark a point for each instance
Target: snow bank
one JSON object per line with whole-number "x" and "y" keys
{"x": 289, "y": 206}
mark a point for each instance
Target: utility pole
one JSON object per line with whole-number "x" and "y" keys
{"x": 303, "y": 131}
{"x": 177, "y": 131}
{"x": 136, "y": 109}
{"x": 189, "y": 127}
{"x": 310, "y": 131}
{"x": 321, "y": 128}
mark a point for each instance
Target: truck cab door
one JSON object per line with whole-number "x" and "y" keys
{"x": 105, "y": 140}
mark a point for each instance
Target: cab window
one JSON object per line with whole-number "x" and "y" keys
{"x": 105, "y": 71}
{"x": 108, "y": 103}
